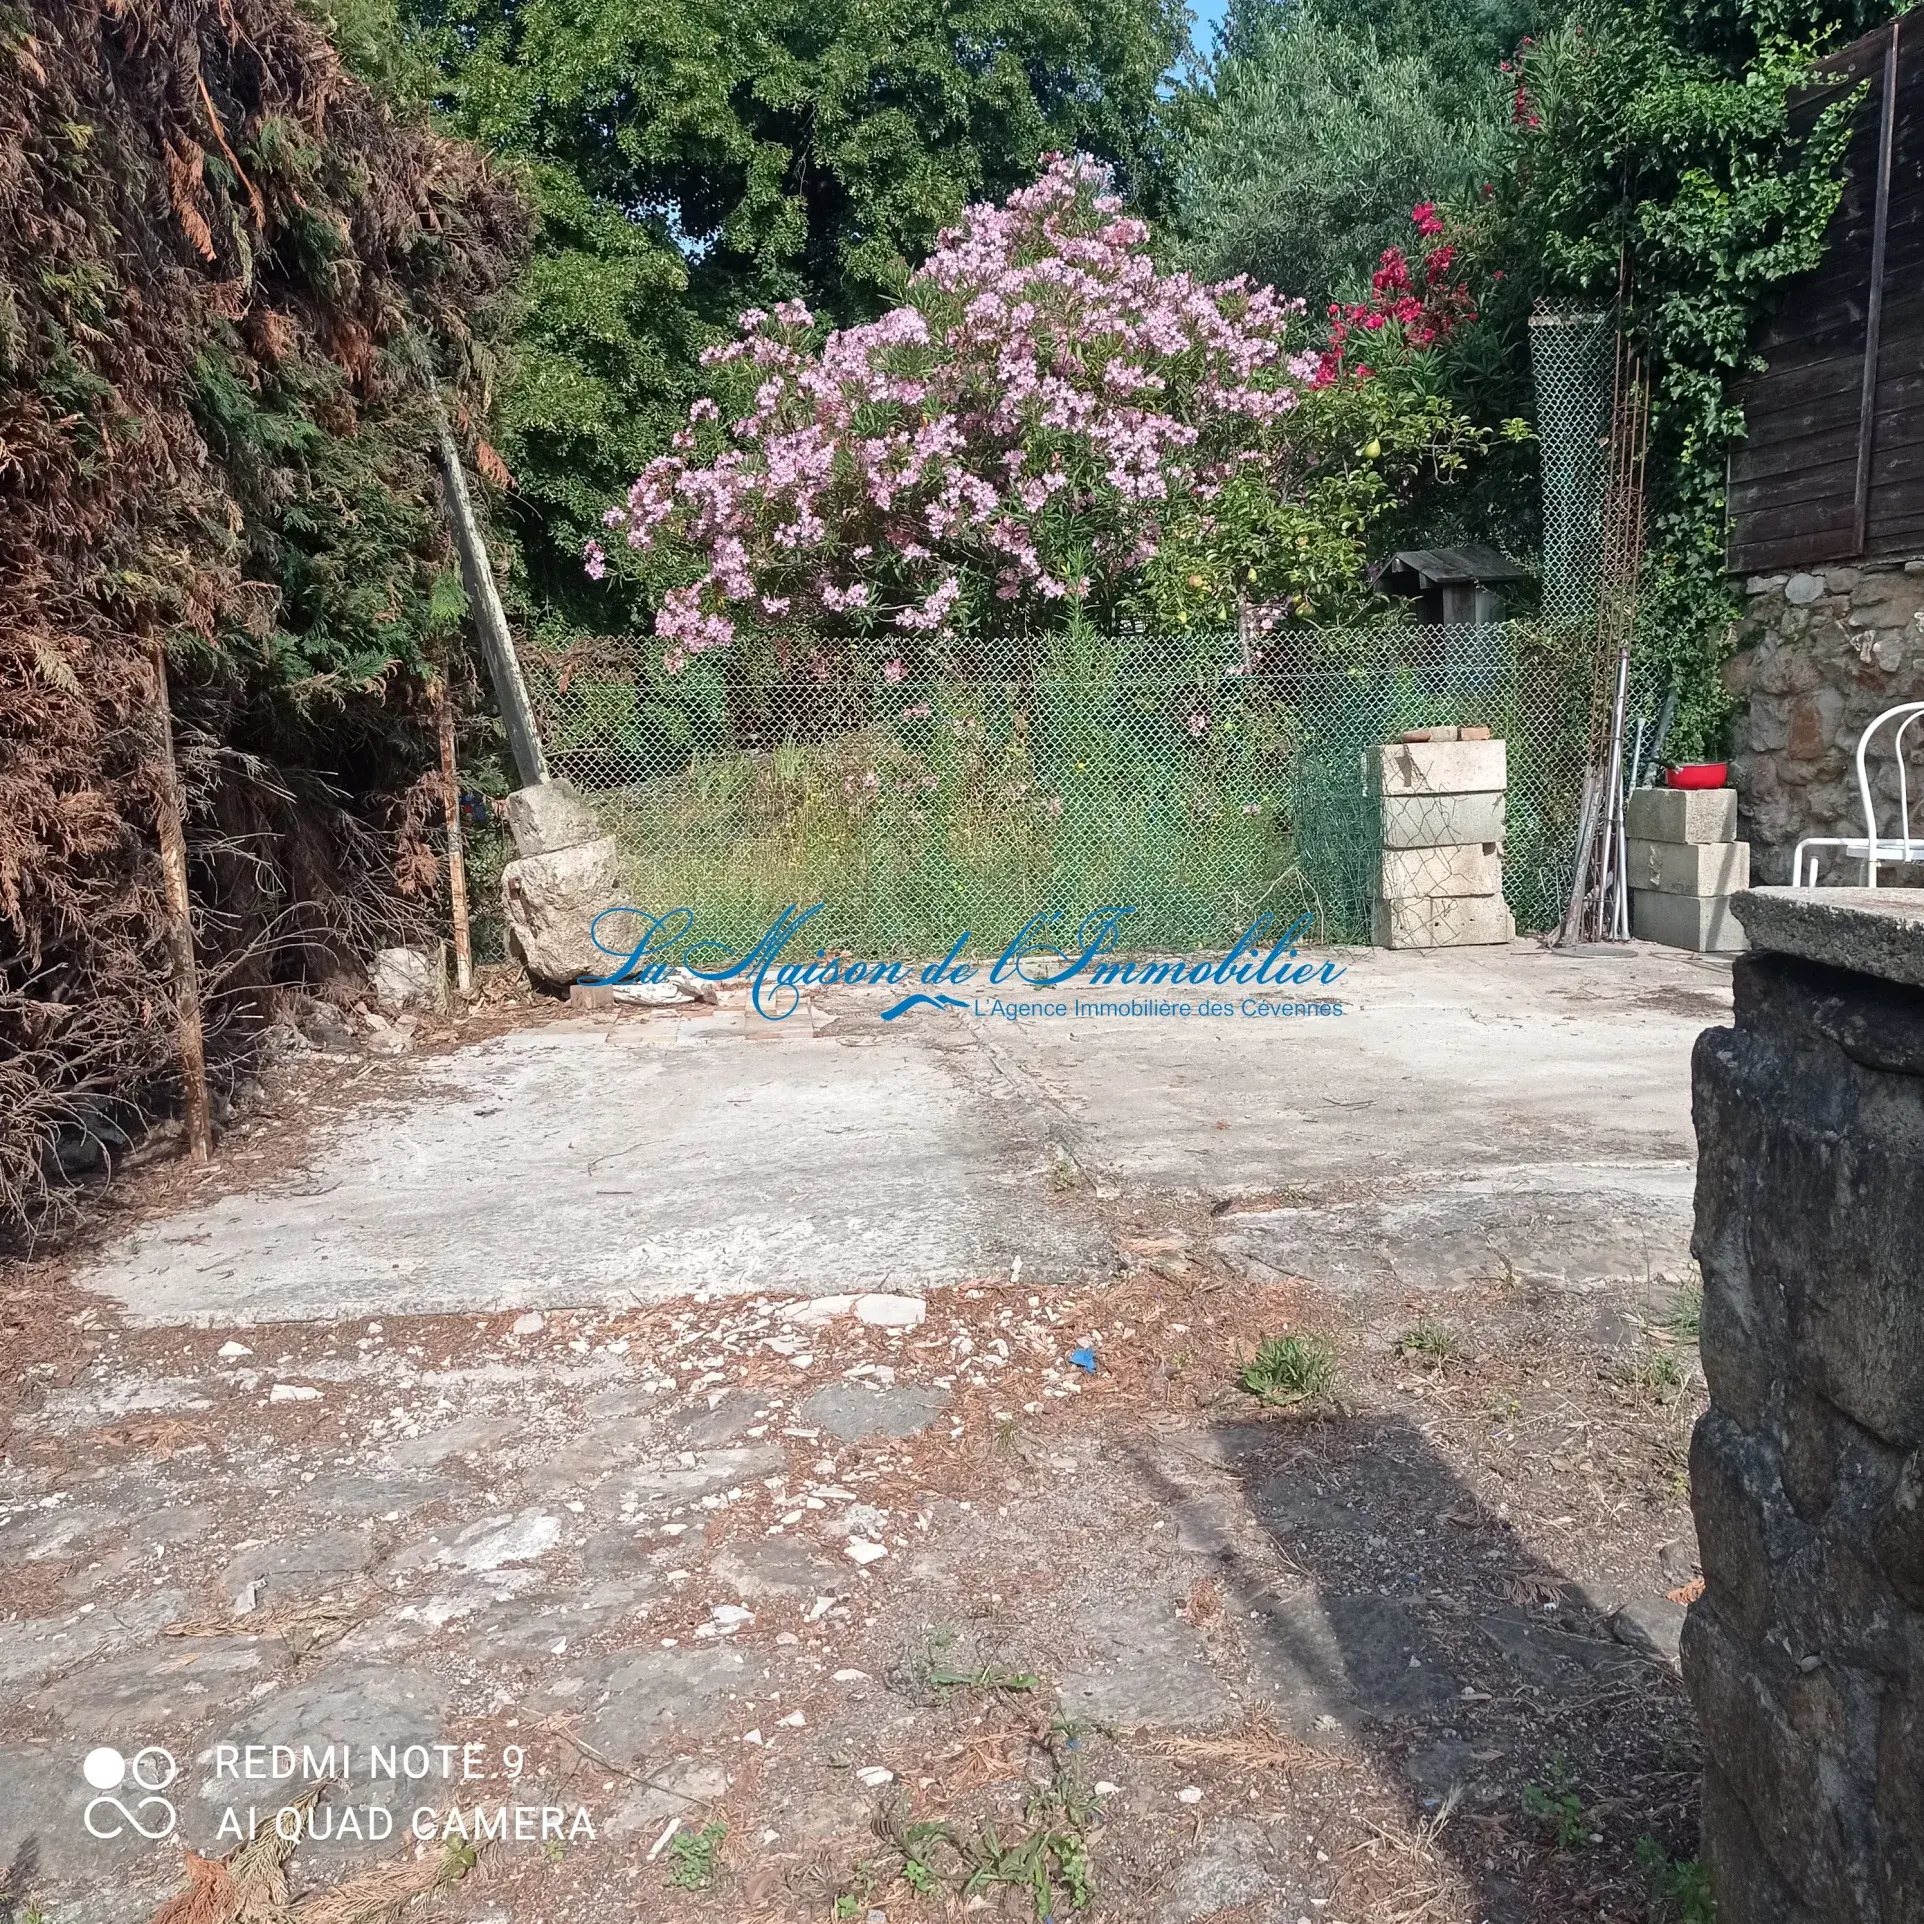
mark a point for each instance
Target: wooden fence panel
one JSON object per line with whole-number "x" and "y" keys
{"x": 1831, "y": 467}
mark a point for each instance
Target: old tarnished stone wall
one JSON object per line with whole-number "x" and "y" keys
{"x": 1805, "y": 1654}
{"x": 1818, "y": 655}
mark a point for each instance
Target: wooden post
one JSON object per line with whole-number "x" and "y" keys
{"x": 1874, "y": 305}
{"x": 180, "y": 927}
{"x": 457, "y": 866}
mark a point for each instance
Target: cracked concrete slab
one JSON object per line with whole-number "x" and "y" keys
{"x": 1325, "y": 1660}
{"x": 1444, "y": 1062}
{"x": 1479, "y": 1112}
{"x": 36, "y": 1648}
{"x": 640, "y": 1169}
{"x": 1146, "y": 1665}
{"x": 347, "y": 1708}
{"x": 853, "y": 1411}
{"x": 1563, "y": 1225}
{"x": 146, "y": 1690}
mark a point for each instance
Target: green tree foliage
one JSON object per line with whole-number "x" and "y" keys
{"x": 1658, "y": 135}
{"x": 1319, "y": 127}
{"x": 692, "y": 158}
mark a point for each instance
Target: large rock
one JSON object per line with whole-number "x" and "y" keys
{"x": 552, "y": 901}
{"x": 409, "y": 978}
{"x": 551, "y": 817}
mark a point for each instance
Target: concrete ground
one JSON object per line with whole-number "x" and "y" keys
{"x": 1484, "y": 1111}
{"x": 796, "y": 1446}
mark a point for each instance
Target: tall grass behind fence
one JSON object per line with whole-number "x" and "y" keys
{"x": 1170, "y": 775}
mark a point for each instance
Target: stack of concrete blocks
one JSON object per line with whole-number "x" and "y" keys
{"x": 1440, "y": 879}
{"x": 1685, "y": 864}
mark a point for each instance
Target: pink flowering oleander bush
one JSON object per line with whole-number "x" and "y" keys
{"x": 1049, "y": 429}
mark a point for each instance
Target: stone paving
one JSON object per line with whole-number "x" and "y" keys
{"x": 706, "y": 1587}
{"x": 719, "y": 1594}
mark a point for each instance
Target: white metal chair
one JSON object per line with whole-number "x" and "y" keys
{"x": 1872, "y": 847}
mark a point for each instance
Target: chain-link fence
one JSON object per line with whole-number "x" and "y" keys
{"x": 1570, "y": 355}
{"x": 1173, "y": 775}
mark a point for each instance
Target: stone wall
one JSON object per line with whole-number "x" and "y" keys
{"x": 1818, "y": 656}
{"x": 1805, "y": 1654}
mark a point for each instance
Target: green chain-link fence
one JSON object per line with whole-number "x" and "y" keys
{"x": 1162, "y": 773}
{"x": 1570, "y": 354}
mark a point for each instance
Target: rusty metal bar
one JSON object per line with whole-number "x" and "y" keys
{"x": 180, "y": 923}
{"x": 451, "y": 814}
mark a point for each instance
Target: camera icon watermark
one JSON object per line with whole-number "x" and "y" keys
{"x": 152, "y": 1770}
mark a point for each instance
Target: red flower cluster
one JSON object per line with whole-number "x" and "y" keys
{"x": 1522, "y": 114}
{"x": 1423, "y": 305}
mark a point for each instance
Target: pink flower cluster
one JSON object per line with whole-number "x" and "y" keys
{"x": 1014, "y": 431}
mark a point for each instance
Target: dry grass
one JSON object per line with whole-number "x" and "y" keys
{"x": 1425, "y": 1884}
{"x": 1204, "y": 1604}
{"x": 250, "y": 1886}
{"x": 1256, "y": 1745}
{"x": 134, "y": 257}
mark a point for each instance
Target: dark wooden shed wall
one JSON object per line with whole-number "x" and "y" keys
{"x": 1794, "y": 478}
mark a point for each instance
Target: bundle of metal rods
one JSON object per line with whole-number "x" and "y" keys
{"x": 1599, "y": 909}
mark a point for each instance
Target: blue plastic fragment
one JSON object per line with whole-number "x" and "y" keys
{"x": 1084, "y": 1359}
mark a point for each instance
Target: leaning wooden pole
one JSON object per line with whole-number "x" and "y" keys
{"x": 180, "y": 926}
{"x": 457, "y": 865}
{"x": 504, "y": 668}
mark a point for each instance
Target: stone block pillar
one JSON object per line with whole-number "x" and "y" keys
{"x": 1439, "y": 883}
{"x": 1685, "y": 864}
{"x": 1805, "y": 1654}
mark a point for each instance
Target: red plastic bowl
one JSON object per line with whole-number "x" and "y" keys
{"x": 1700, "y": 775}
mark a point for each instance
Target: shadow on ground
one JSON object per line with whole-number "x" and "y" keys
{"x": 1421, "y": 1631}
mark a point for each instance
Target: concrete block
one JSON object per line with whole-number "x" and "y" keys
{"x": 1690, "y": 868}
{"x": 551, "y": 817}
{"x": 1441, "y": 922}
{"x": 1681, "y": 814}
{"x": 1873, "y": 931}
{"x": 1442, "y": 821}
{"x": 1701, "y": 922}
{"x": 1469, "y": 868}
{"x": 1440, "y": 768}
